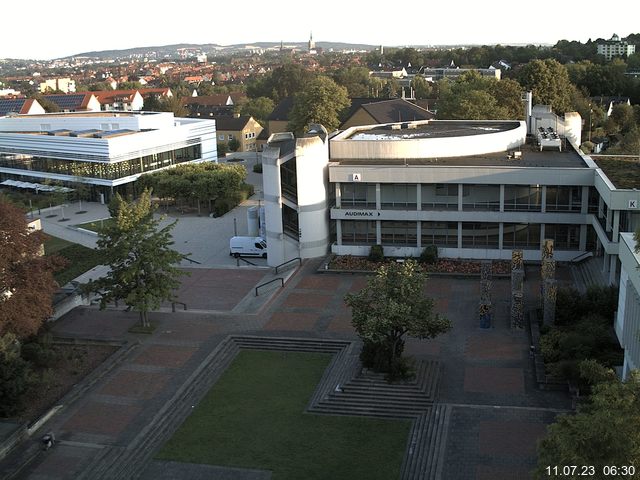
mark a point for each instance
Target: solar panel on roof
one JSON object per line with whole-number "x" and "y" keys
{"x": 11, "y": 105}
{"x": 66, "y": 102}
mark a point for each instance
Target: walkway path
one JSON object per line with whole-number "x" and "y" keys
{"x": 494, "y": 415}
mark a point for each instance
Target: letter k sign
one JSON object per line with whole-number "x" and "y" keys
{"x": 633, "y": 204}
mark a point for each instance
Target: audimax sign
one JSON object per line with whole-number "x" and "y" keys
{"x": 361, "y": 213}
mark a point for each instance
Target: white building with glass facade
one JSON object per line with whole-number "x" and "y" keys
{"x": 107, "y": 150}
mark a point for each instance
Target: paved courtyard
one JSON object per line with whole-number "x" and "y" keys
{"x": 497, "y": 416}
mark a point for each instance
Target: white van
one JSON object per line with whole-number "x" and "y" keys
{"x": 248, "y": 246}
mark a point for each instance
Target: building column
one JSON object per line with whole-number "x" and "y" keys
{"x": 502, "y": 198}
{"x": 613, "y": 269}
{"x": 460, "y": 193}
{"x": 378, "y": 233}
{"x": 600, "y": 206}
{"x": 605, "y": 263}
{"x": 419, "y": 233}
{"x": 338, "y": 195}
{"x": 500, "y": 235}
{"x": 584, "y": 206}
{"x": 378, "y": 198}
{"x": 616, "y": 225}
{"x": 609, "y": 220}
{"x": 543, "y": 200}
{"x": 542, "y": 235}
{"x": 418, "y": 197}
{"x": 459, "y": 234}
{"x": 339, "y": 232}
{"x": 583, "y": 238}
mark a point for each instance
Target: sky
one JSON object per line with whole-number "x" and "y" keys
{"x": 51, "y": 31}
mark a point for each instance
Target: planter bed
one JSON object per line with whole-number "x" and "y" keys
{"x": 444, "y": 266}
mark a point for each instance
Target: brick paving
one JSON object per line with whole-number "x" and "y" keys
{"x": 135, "y": 384}
{"x": 164, "y": 356}
{"x": 102, "y": 418}
{"x": 481, "y": 369}
{"x": 494, "y": 380}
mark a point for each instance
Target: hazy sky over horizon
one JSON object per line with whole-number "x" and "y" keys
{"x": 46, "y": 31}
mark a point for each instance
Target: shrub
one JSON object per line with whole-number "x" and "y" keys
{"x": 376, "y": 254}
{"x": 39, "y": 355}
{"x": 14, "y": 382}
{"x": 429, "y": 254}
{"x": 257, "y": 168}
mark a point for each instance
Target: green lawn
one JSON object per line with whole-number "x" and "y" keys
{"x": 97, "y": 225}
{"x": 79, "y": 258}
{"x": 253, "y": 418}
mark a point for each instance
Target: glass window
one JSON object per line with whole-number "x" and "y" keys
{"x": 432, "y": 200}
{"x": 480, "y": 235}
{"x": 521, "y": 235}
{"x": 565, "y": 237}
{"x": 442, "y": 234}
{"x": 361, "y": 195}
{"x": 398, "y": 196}
{"x": 522, "y": 198}
{"x": 358, "y": 232}
{"x": 398, "y": 233}
{"x": 482, "y": 197}
{"x": 563, "y": 198}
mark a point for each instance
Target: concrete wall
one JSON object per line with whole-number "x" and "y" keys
{"x": 437, "y": 147}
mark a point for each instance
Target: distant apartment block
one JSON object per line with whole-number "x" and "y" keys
{"x": 64, "y": 85}
{"x": 614, "y": 47}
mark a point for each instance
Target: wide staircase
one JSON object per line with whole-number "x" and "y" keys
{"x": 344, "y": 389}
{"x": 588, "y": 273}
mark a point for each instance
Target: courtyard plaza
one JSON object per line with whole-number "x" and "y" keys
{"x": 497, "y": 414}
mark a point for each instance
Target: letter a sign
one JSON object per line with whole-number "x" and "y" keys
{"x": 356, "y": 177}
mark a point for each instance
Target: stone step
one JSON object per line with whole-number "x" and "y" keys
{"x": 128, "y": 463}
{"x": 419, "y": 430}
{"x": 364, "y": 411}
{"x": 340, "y": 401}
{"x": 384, "y": 397}
{"x": 290, "y": 348}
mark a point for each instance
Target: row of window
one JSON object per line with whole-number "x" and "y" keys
{"x": 445, "y": 234}
{"x": 103, "y": 170}
{"x": 474, "y": 197}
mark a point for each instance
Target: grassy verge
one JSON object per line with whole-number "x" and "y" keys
{"x": 97, "y": 225}
{"x": 79, "y": 258}
{"x": 253, "y": 418}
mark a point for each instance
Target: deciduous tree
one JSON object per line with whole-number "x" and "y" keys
{"x": 143, "y": 266}
{"x": 604, "y": 432}
{"x": 26, "y": 276}
{"x": 392, "y": 305}
{"x": 321, "y": 101}
{"x": 549, "y": 82}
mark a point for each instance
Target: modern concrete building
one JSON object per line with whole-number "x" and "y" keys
{"x": 107, "y": 150}
{"x": 475, "y": 189}
{"x": 627, "y": 322}
{"x": 296, "y": 195}
{"x": 614, "y": 47}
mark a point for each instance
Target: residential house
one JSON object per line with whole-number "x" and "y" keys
{"x": 124, "y": 100}
{"x": 209, "y": 106}
{"x": 75, "y": 102}
{"x": 22, "y": 106}
{"x": 243, "y": 128}
{"x": 370, "y": 111}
